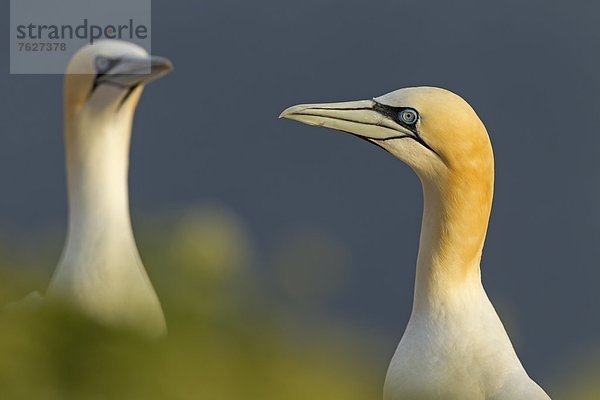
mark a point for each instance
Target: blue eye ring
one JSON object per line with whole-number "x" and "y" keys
{"x": 103, "y": 64}
{"x": 408, "y": 116}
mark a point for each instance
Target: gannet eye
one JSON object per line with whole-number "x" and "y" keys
{"x": 103, "y": 64}
{"x": 408, "y": 116}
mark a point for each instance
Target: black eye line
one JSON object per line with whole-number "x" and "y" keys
{"x": 130, "y": 91}
{"x": 99, "y": 74}
{"x": 96, "y": 84}
{"x": 113, "y": 62}
{"x": 393, "y": 113}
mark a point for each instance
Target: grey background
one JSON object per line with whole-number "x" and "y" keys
{"x": 210, "y": 132}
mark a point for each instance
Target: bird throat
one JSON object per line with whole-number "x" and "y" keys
{"x": 455, "y": 220}
{"x": 99, "y": 230}
{"x": 100, "y": 271}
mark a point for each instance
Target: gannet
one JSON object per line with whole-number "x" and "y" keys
{"x": 455, "y": 346}
{"x": 100, "y": 271}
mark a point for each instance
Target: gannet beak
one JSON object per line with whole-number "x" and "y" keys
{"x": 133, "y": 71}
{"x": 366, "y": 119}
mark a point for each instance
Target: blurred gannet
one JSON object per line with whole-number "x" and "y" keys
{"x": 100, "y": 271}
{"x": 455, "y": 346}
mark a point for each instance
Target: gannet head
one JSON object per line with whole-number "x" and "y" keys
{"x": 431, "y": 129}
{"x": 108, "y": 76}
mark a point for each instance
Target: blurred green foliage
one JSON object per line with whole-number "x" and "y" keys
{"x": 582, "y": 381}
{"x": 227, "y": 339}
{"x": 231, "y": 335}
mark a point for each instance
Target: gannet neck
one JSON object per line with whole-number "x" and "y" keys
{"x": 454, "y": 225}
{"x": 100, "y": 267}
{"x": 97, "y": 154}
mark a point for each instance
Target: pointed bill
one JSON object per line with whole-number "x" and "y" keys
{"x": 361, "y": 118}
